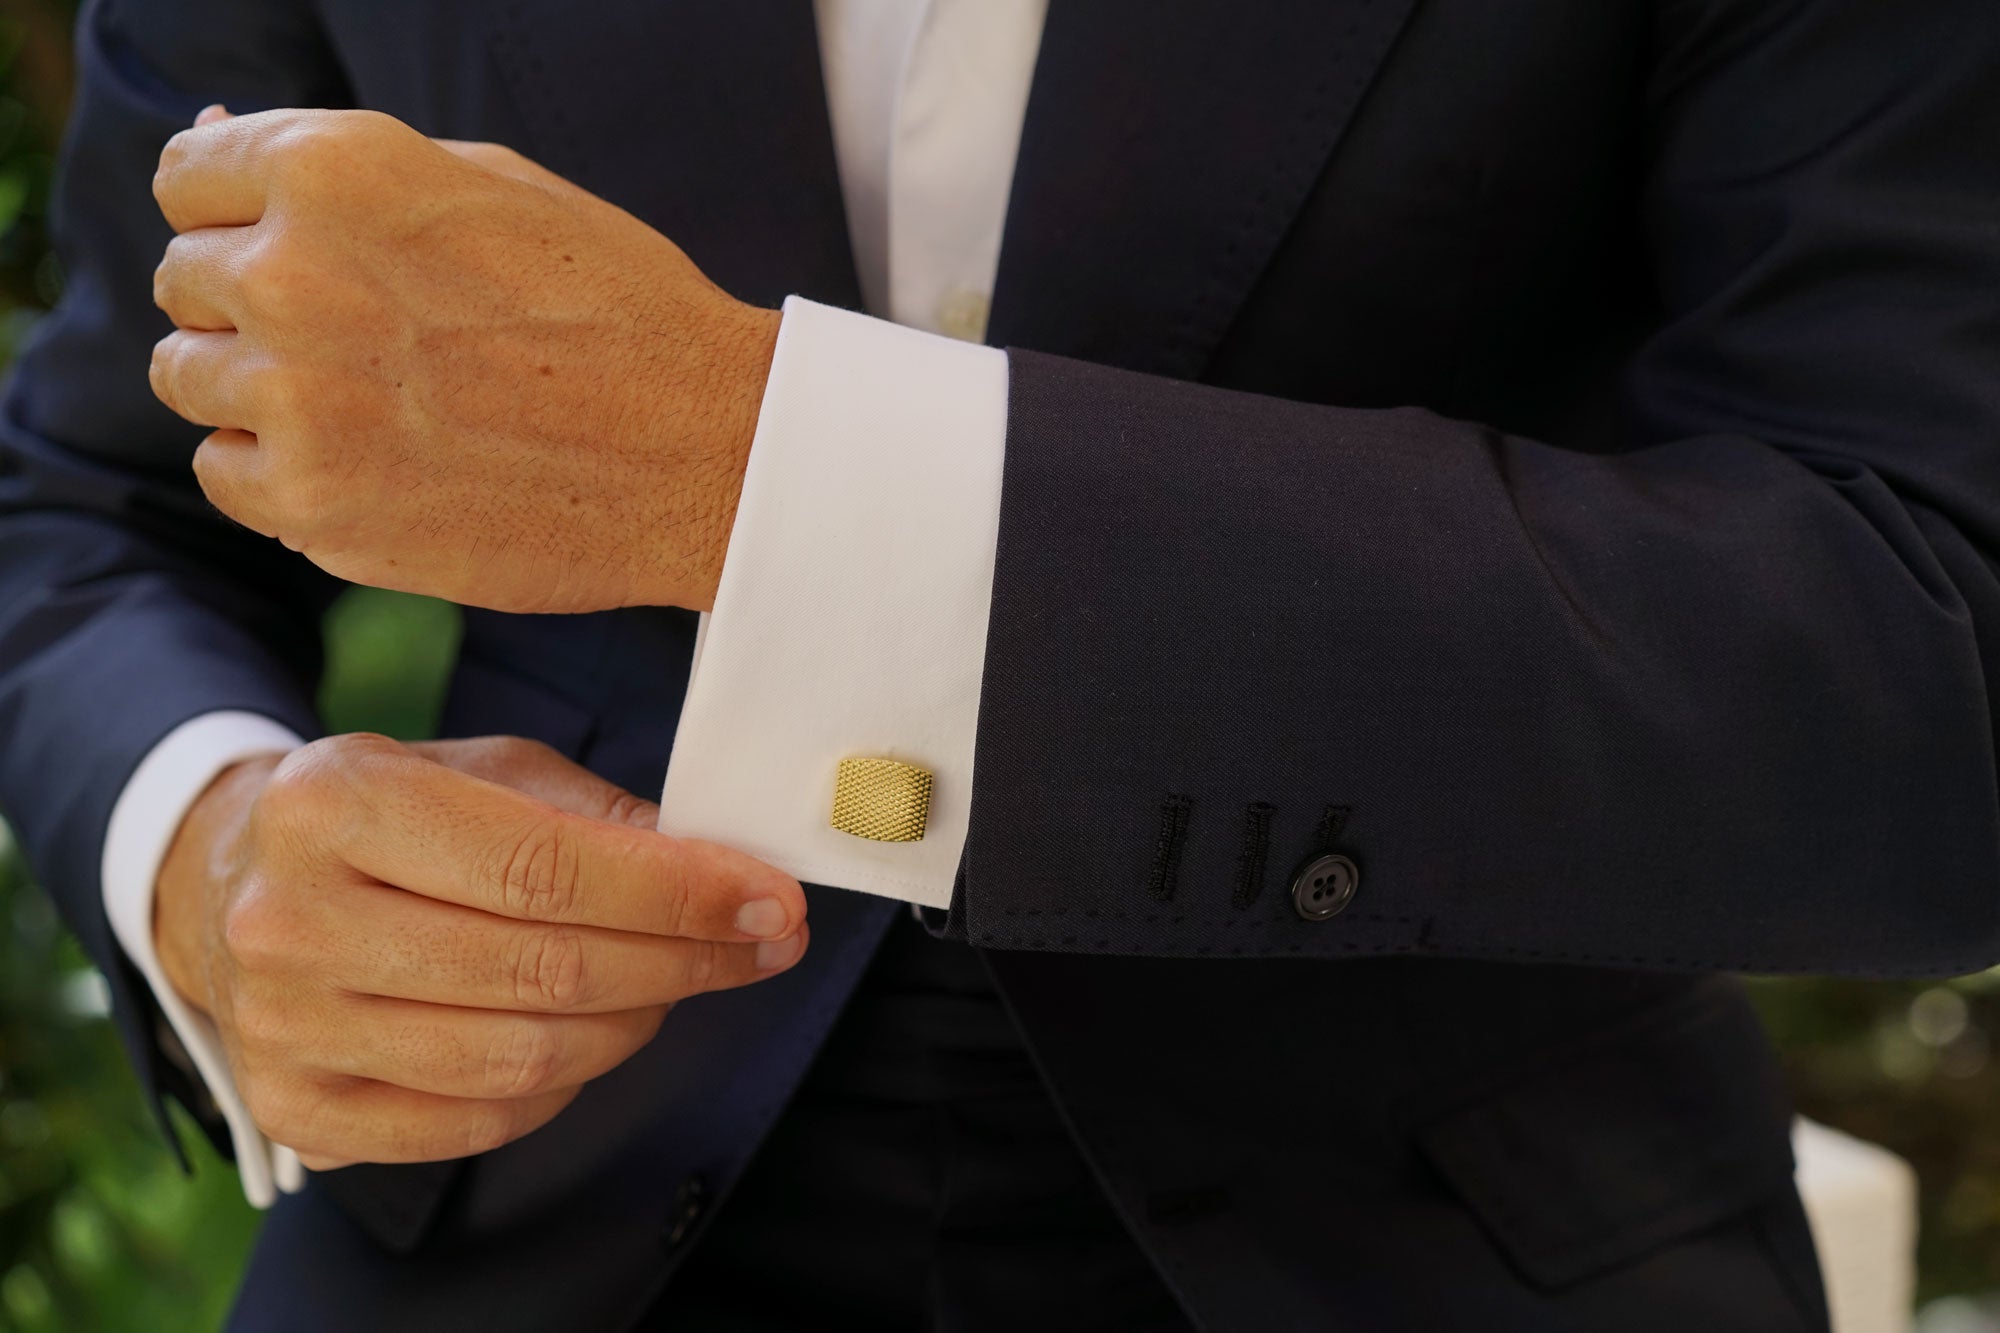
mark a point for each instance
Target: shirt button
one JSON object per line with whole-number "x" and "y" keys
{"x": 962, "y": 314}
{"x": 1324, "y": 886}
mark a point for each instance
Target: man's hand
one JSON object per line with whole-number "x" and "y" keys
{"x": 442, "y": 369}
{"x": 416, "y": 952}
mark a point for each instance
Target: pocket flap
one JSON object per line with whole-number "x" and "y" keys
{"x": 1654, "y": 1132}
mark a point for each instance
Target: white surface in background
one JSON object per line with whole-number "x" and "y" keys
{"x": 1862, "y": 1203}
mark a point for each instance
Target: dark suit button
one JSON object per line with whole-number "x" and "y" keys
{"x": 1324, "y": 886}
{"x": 689, "y": 1201}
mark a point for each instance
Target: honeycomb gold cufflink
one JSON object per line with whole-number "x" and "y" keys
{"x": 882, "y": 800}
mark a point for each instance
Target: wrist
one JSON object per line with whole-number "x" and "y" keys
{"x": 744, "y": 338}
{"x": 195, "y": 863}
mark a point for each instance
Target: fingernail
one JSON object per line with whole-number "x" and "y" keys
{"x": 774, "y": 954}
{"x": 764, "y": 918}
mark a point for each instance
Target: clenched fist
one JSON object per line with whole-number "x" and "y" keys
{"x": 415, "y": 952}
{"x": 442, "y": 369}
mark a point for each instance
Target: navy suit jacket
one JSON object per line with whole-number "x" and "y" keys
{"x": 1552, "y": 446}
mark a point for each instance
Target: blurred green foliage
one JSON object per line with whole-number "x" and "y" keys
{"x": 98, "y": 1227}
{"x": 35, "y": 84}
{"x": 387, "y": 657}
{"x": 101, "y": 1231}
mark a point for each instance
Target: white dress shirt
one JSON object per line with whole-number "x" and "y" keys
{"x": 851, "y": 615}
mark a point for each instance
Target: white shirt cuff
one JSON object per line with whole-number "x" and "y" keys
{"x": 143, "y": 822}
{"x": 851, "y": 616}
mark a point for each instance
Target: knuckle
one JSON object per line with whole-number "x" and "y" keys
{"x": 315, "y": 785}
{"x": 348, "y": 753}
{"x": 173, "y": 156}
{"x": 264, "y": 275}
{"x": 521, "y": 1061}
{"x": 521, "y": 751}
{"x": 625, "y": 808}
{"x": 315, "y": 154}
{"x": 256, "y": 933}
{"x": 217, "y": 483}
{"x": 540, "y": 879}
{"x": 209, "y": 481}
{"x": 362, "y": 124}
{"x": 174, "y": 151}
{"x": 363, "y": 744}
{"x": 484, "y": 1129}
{"x": 278, "y": 1111}
{"x": 261, "y": 1027}
{"x": 548, "y": 969}
{"x": 300, "y": 787}
{"x": 704, "y": 967}
{"x": 677, "y": 892}
{"x": 160, "y": 370}
{"x": 163, "y": 276}
{"x": 301, "y": 147}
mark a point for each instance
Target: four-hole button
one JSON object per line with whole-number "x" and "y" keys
{"x": 1324, "y": 886}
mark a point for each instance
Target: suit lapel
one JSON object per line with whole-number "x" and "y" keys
{"x": 707, "y": 120}
{"x": 1162, "y": 159}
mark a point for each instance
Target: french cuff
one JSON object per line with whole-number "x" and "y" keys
{"x": 144, "y": 819}
{"x": 843, "y": 658}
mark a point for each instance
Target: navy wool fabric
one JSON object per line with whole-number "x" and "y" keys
{"x": 1563, "y": 435}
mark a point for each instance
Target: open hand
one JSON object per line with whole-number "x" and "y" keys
{"x": 442, "y": 369}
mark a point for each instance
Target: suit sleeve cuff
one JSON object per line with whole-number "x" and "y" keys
{"x": 148, "y": 812}
{"x": 851, "y": 616}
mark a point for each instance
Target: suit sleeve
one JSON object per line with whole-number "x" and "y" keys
{"x": 1718, "y": 697}
{"x": 127, "y": 605}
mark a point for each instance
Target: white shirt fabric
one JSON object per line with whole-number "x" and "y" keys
{"x": 851, "y": 616}
{"x": 143, "y": 822}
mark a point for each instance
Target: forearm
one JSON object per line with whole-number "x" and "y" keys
{"x": 1638, "y": 709}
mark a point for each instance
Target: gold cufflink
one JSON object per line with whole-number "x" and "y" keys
{"x": 881, "y": 800}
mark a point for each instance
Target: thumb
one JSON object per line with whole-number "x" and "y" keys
{"x": 213, "y": 114}
{"x": 541, "y": 772}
